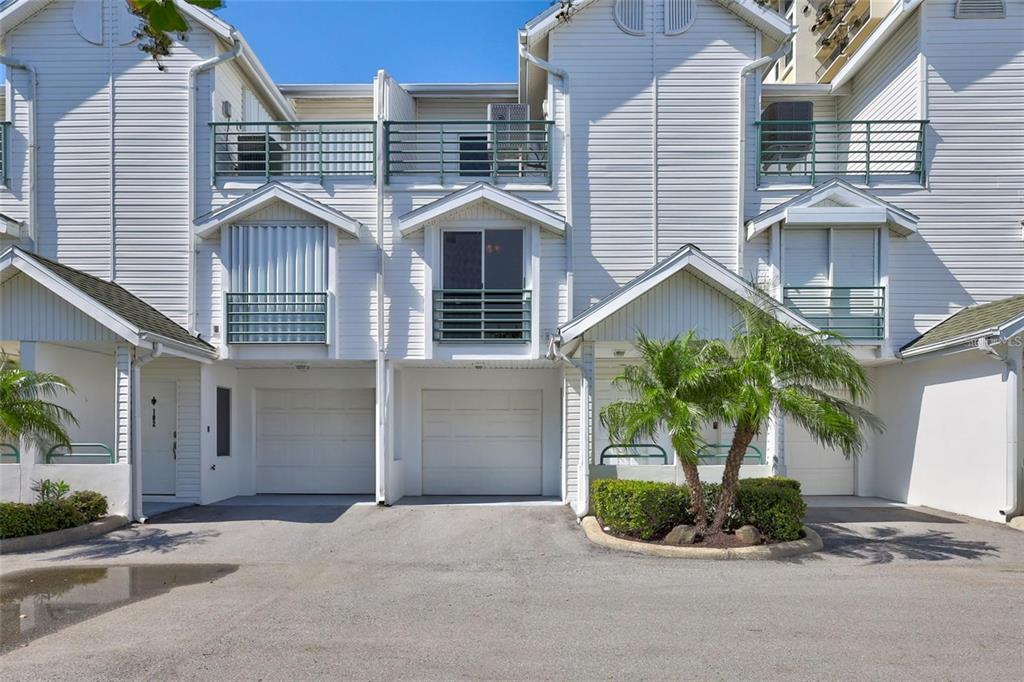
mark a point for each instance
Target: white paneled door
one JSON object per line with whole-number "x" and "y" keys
{"x": 482, "y": 442}
{"x": 314, "y": 441}
{"x": 159, "y": 437}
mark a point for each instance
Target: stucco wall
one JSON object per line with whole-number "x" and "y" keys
{"x": 945, "y": 439}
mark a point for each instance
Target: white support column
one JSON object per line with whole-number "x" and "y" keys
{"x": 123, "y": 403}
{"x": 776, "y": 444}
{"x": 382, "y": 395}
{"x": 586, "y": 423}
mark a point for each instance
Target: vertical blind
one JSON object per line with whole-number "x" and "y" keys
{"x": 278, "y": 258}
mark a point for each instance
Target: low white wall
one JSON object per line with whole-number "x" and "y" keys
{"x": 409, "y": 415}
{"x": 111, "y": 480}
{"x": 711, "y": 473}
{"x": 945, "y": 439}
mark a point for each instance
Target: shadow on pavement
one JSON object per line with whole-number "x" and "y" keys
{"x": 883, "y": 545}
{"x": 873, "y": 515}
{"x": 136, "y": 540}
{"x": 218, "y": 514}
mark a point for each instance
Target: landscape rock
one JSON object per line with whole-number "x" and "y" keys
{"x": 748, "y": 535}
{"x": 681, "y": 535}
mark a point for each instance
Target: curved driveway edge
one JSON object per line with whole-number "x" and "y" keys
{"x": 811, "y": 542}
{"x": 32, "y": 543}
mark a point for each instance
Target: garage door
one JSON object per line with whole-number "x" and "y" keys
{"x": 314, "y": 441}
{"x": 482, "y": 442}
{"x": 820, "y": 471}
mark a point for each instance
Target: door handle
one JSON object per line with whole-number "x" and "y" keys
{"x": 174, "y": 446}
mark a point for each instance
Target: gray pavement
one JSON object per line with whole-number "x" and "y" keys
{"x": 517, "y": 592}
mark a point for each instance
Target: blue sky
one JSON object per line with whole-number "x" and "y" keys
{"x": 344, "y": 41}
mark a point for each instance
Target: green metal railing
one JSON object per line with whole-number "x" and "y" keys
{"x": 632, "y": 452}
{"x": 858, "y": 313}
{"x": 9, "y": 450}
{"x": 820, "y": 149}
{"x": 456, "y": 150}
{"x": 277, "y": 318}
{"x": 53, "y": 453}
{"x": 716, "y": 453}
{"x": 482, "y": 315}
{"x": 307, "y": 149}
{"x": 5, "y": 128}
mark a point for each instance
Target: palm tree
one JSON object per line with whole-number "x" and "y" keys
{"x": 25, "y": 407}
{"x": 771, "y": 367}
{"x": 671, "y": 390}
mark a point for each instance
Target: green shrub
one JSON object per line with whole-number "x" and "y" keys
{"x": 18, "y": 519}
{"x": 648, "y": 510}
{"x": 641, "y": 509}
{"x": 91, "y": 504}
{"x": 47, "y": 490}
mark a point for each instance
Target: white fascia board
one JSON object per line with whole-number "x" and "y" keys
{"x": 17, "y": 12}
{"x": 208, "y": 225}
{"x": 1012, "y": 328}
{"x": 527, "y": 210}
{"x": 845, "y": 215}
{"x": 14, "y": 260}
{"x": 770, "y": 23}
{"x": 327, "y": 91}
{"x": 178, "y": 349}
{"x": 948, "y": 344}
{"x": 687, "y": 258}
{"x": 897, "y": 15}
{"x": 9, "y": 227}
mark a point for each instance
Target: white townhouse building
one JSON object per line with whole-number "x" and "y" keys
{"x": 403, "y": 289}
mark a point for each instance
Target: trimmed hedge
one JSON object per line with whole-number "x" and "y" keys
{"x": 649, "y": 510}
{"x": 18, "y": 519}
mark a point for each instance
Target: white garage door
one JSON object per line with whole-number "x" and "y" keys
{"x": 820, "y": 471}
{"x": 314, "y": 441}
{"x": 482, "y": 442}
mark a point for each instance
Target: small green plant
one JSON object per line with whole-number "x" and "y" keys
{"x": 18, "y": 519}
{"x": 50, "y": 491}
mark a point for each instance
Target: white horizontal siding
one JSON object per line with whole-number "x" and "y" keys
{"x": 334, "y": 109}
{"x": 887, "y": 88}
{"x": 678, "y": 305}
{"x": 30, "y": 312}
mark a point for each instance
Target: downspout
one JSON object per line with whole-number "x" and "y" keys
{"x": 12, "y": 63}
{"x": 563, "y": 76}
{"x": 382, "y": 376}
{"x": 193, "y": 87}
{"x": 136, "y": 460}
{"x": 741, "y": 185}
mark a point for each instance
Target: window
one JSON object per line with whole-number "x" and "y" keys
{"x": 474, "y": 160}
{"x": 223, "y": 422}
{"x": 785, "y": 139}
{"x": 486, "y": 259}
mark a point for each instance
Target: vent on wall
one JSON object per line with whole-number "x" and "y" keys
{"x": 629, "y": 15}
{"x": 980, "y": 9}
{"x": 679, "y": 15}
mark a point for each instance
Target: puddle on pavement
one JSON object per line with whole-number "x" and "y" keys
{"x": 41, "y": 601}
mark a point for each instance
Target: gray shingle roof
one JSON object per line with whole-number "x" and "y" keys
{"x": 124, "y": 303}
{"x": 972, "y": 321}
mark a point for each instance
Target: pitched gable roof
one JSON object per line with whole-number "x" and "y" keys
{"x": 113, "y": 306}
{"x": 1003, "y": 319}
{"x": 208, "y": 224}
{"x": 481, "y": 192}
{"x": 689, "y": 258}
{"x": 836, "y": 203}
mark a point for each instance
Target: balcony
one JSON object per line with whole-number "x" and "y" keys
{"x": 277, "y": 318}
{"x": 482, "y": 316}
{"x": 5, "y": 129}
{"x": 809, "y": 151}
{"x": 306, "y": 149}
{"x": 499, "y": 151}
{"x": 857, "y": 313}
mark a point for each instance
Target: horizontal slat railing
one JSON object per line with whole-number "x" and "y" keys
{"x": 858, "y": 313}
{"x": 277, "y": 318}
{"x": 5, "y": 130}
{"x": 482, "y": 315}
{"x": 450, "y": 150}
{"x": 818, "y": 149}
{"x": 308, "y": 149}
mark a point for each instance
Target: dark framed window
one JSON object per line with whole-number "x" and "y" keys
{"x": 223, "y": 422}
{"x": 474, "y": 160}
{"x": 486, "y": 259}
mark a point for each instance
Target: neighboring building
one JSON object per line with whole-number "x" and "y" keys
{"x": 426, "y": 289}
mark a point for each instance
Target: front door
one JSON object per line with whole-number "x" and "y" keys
{"x": 159, "y": 437}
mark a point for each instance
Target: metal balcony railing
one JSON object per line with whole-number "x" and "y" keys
{"x": 858, "y": 313}
{"x": 277, "y": 318}
{"x": 717, "y": 453}
{"x": 306, "y": 149}
{"x": 482, "y": 315}
{"x": 5, "y": 128}
{"x": 454, "y": 150}
{"x": 814, "y": 150}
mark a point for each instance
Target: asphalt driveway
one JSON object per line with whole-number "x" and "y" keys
{"x": 514, "y": 592}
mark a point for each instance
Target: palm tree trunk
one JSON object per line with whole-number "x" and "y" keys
{"x": 730, "y": 478}
{"x": 697, "y": 504}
